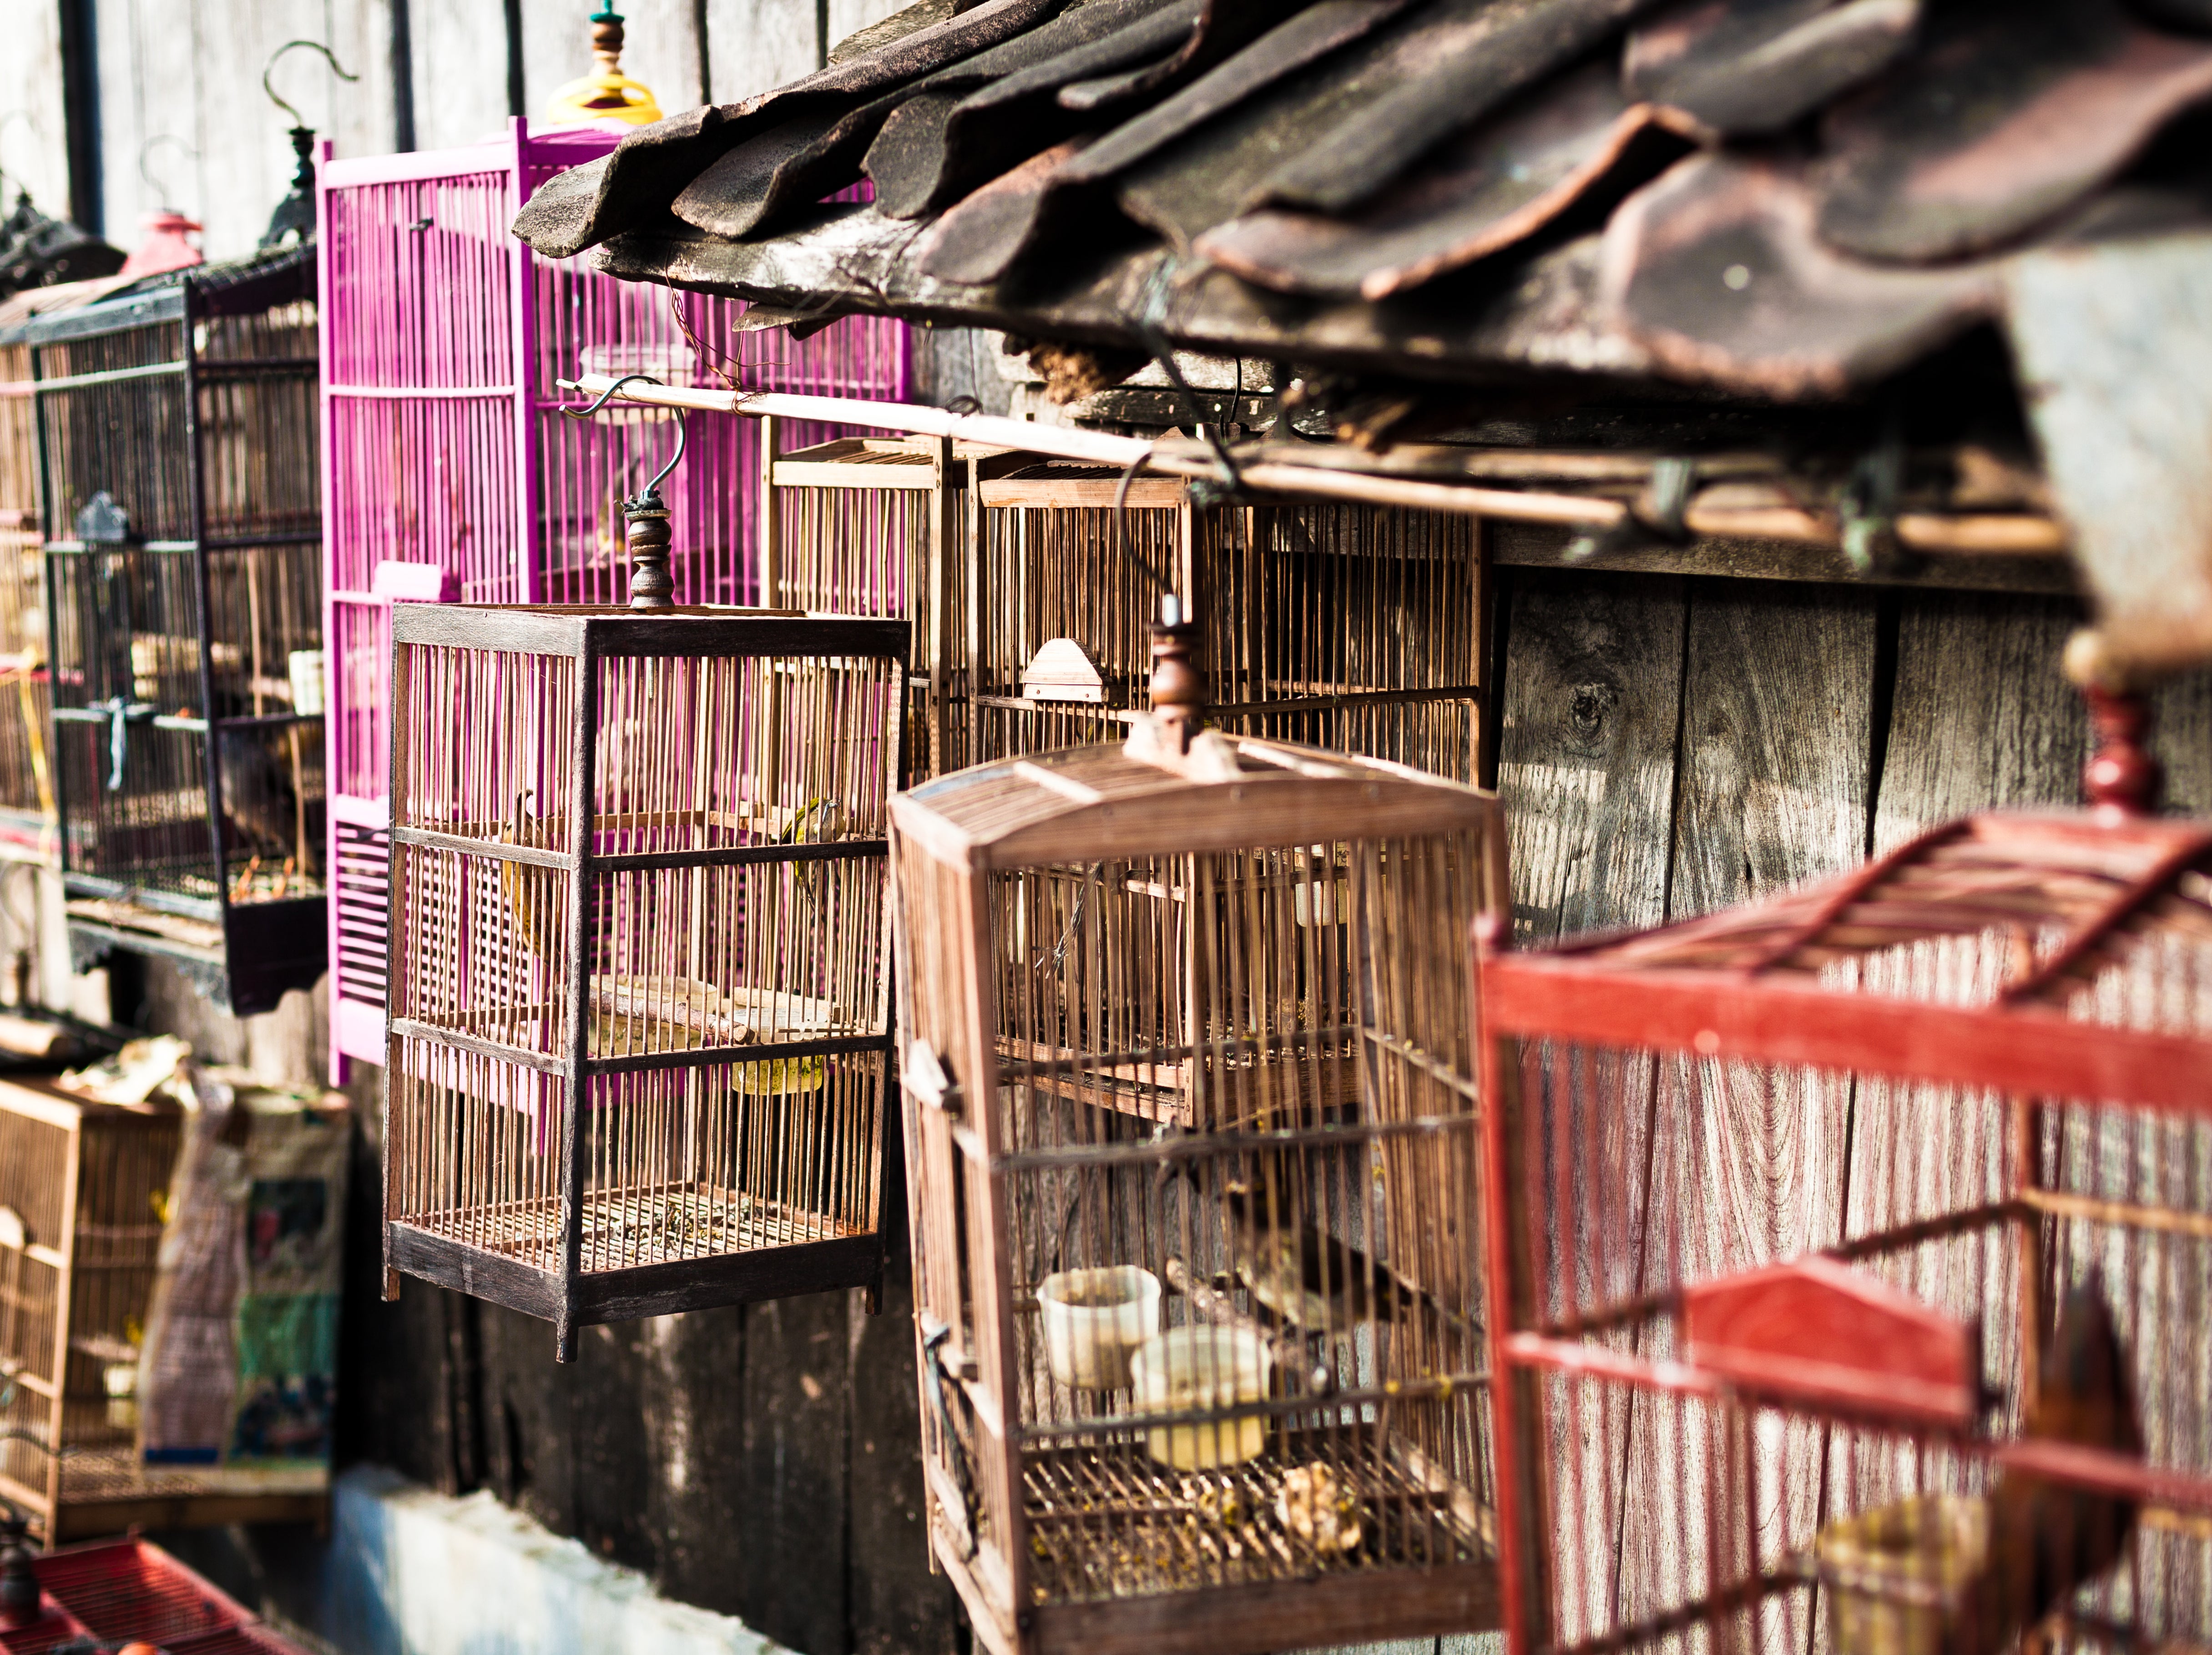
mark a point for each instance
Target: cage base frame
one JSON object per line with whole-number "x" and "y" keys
{"x": 639, "y": 1290}
{"x": 267, "y": 949}
{"x": 99, "y": 1515}
{"x": 1251, "y": 1619}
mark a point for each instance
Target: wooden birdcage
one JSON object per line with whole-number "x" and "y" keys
{"x": 176, "y": 433}
{"x": 1179, "y": 1023}
{"x": 1354, "y": 628}
{"x": 85, "y": 1191}
{"x": 1852, "y": 1251}
{"x": 638, "y": 1066}
{"x": 874, "y": 526}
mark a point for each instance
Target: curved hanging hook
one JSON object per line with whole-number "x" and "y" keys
{"x": 159, "y": 189}
{"x": 682, "y": 428}
{"x": 270, "y": 68}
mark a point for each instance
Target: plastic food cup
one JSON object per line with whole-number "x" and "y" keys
{"x": 1094, "y": 1320}
{"x": 1187, "y": 1369}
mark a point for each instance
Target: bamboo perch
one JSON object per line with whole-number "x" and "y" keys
{"x": 2005, "y": 534}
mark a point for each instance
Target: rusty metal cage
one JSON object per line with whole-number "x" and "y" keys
{"x": 1855, "y": 1248}
{"x": 872, "y": 525}
{"x": 176, "y": 423}
{"x": 1354, "y": 628}
{"x": 641, "y": 1013}
{"x": 1180, "y": 1040}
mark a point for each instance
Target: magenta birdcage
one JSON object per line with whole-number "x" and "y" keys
{"x": 449, "y": 474}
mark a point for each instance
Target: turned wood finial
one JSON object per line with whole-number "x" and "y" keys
{"x": 2121, "y": 780}
{"x": 1178, "y": 692}
{"x": 607, "y": 40}
{"x": 647, "y": 537}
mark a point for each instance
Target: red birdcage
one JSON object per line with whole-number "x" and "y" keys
{"x": 1850, "y": 1253}
{"x": 102, "y": 1597}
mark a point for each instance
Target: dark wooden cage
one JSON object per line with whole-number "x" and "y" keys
{"x": 25, "y": 703}
{"x": 1354, "y": 628}
{"x": 1855, "y": 1249}
{"x": 640, "y": 1015}
{"x": 176, "y": 425}
{"x": 1172, "y": 1035}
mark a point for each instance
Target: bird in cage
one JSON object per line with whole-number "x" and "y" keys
{"x": 1315, "y": 1282}
{"x": 259, "y": 801}
{"x": 2047, "y": 1540}
{"x": 1953, "y": 1574}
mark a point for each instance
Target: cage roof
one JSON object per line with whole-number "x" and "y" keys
{"x": 235, "y": 288}
{"x": 2082, "y": 892}
{"x": 1085, "y": 803}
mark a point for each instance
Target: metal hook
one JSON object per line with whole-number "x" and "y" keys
{"x": 159, "y": 189}
{"x": 270, "y": 68}
{"x": 682, "y": 429}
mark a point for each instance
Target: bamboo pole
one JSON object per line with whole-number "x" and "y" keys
{"x": 2001, "y": 534}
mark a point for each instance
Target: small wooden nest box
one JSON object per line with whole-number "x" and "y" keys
{"x": 637, "y": 1067}
{"x": 1757, "y": 1179}
{"x": 1175, "y": 1028}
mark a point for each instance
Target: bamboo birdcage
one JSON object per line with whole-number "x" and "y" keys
{"x": 177, "y": 431}
{"x": 1807, "y": 1214}
{"x": 1148, "y": 1002}
{"x": 872, "y": 525}
{"x": 639, "y": 1068}
{"x": 1354, "y": 628}
{"x": 453, "y": 475}
{"x": 87, "y": 1191}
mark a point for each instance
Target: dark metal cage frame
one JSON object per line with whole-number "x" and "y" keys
{"x": 176, "y": 429}
{"x": 598, "y": 1098}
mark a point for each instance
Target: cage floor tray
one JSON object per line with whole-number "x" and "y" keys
{"x": 1112, "y": 1523}
{"x": 626, "y": 1229}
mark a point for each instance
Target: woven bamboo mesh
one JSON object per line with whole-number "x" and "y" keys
{"x": 1353, "y": 627}
{"x": 183, "y": 533}
{"x": 1975, "y": 1076}
{"x": 81, "y": 1193}
{"x": 659, "y": 1038}
{"x": 1176, "y": 1052}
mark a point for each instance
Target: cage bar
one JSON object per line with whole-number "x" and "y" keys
{"x": 1193, "y": 1129}
{"x": 874, "y": 526}
{"x": 451, "y": 476}
{"x": 176, "y": 429}
{"x": 1812, "y": 1216}
{"x": 640, "y": 1019}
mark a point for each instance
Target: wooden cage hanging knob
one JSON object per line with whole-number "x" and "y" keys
{"x": 2121, "y": 778}
{"x": 647, "y": 537}
{"x": 1178, "y": 692}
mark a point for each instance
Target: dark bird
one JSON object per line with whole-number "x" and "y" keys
{"x": 1317, "y": 1283}
{"x": 2046, "y": 1540}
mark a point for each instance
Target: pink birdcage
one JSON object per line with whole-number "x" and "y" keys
{"x": 449, "y": 476}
